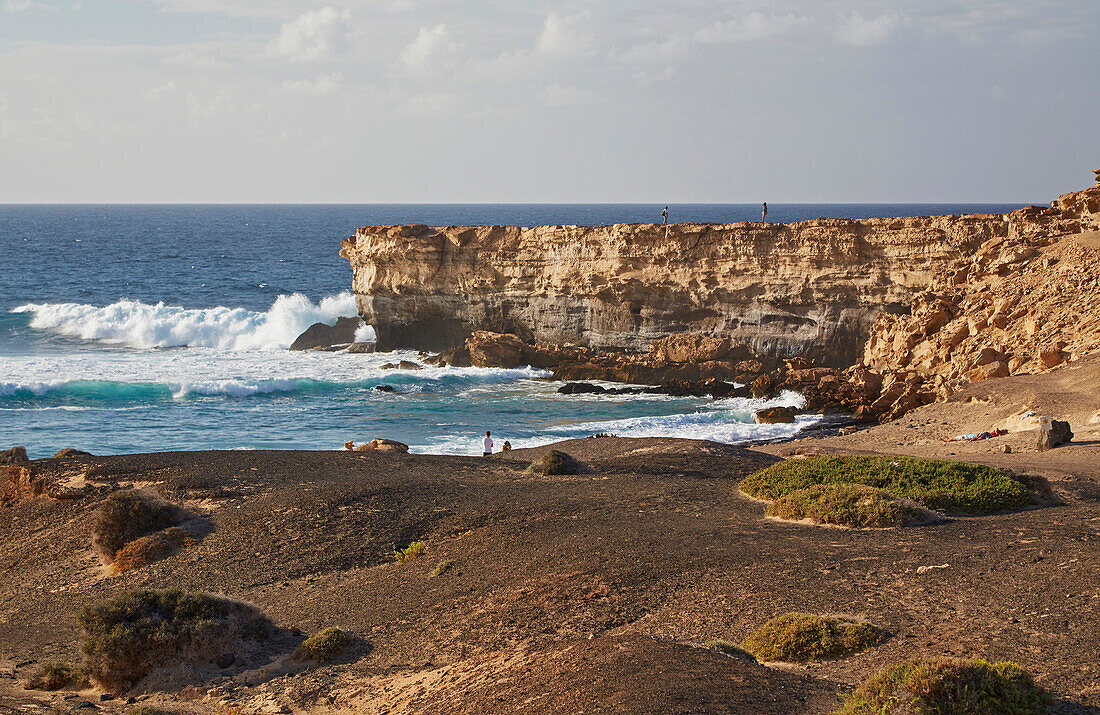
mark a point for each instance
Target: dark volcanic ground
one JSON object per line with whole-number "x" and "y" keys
{"x": 567, "y": 594}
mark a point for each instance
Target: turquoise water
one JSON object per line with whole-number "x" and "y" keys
{"x": 148, "y": 328}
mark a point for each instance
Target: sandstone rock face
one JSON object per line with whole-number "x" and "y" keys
{"x": 1021, "y": 303}
{"x": 811, "y": 288}
{"x": 775, "y": 415}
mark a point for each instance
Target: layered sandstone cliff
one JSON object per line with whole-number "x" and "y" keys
{"x": 811, "y": 288}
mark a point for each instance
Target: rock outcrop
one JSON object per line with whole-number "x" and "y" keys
{"x": 322, "y": 336}
{"x": 811, "y": 288}
{"x": 921, "y": 306}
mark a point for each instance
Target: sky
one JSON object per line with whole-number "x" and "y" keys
{"x": 503, "y": 101}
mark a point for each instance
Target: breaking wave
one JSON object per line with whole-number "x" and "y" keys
{"x": 142, "y": 325}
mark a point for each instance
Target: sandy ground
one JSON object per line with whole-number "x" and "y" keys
{"x": 578, "y": 594}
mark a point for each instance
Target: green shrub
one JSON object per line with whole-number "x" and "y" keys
{"x": 152, "y": 547}
{"x": 442, "y": 567}
{"x": 943, "y": 485}
{"x": 949, "y": 685}
{"x": 129, "y": 515}
{"x": 729, "y": 648}
{"x": 127, "y": 636}
{"x": 556, "y": 462}
{"x": 324, "y": 645}
{"x": 55, "y": 676}
{"x": 852, "y": 505}
{"x": 409, "y": 552}
{"x": 801, "y": 637}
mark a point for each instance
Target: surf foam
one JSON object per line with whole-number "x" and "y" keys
{"x": 141, "y": 325}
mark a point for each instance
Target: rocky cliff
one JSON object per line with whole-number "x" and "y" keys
{"x": 1021, "y": 303}
{"x": 811, "y": 288}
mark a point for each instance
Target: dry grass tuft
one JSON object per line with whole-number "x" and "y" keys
{"x": 729, "y": 648}
{"x": 949, "y": 685}
{"x": 802, "y": 637}
{"x": 130, "y": 635}
{"x": 940, "y": 484}
{"x": 442, "y": 567}
{"x": 325, "y": 645}
{"x": 556, "y": 462}
{"x": 409, "y": 552}
{"x": 851, "y": 505}
{"x": 55, "y": 676}
{"x": 153, "y": 547}
{"x": 128, "y": 515}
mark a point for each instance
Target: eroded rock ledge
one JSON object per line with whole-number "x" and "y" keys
{"x": 916, "y": 308}
{"x": 811, "y": 288}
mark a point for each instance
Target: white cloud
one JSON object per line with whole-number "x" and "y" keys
{"x": 863, "y": 32}
{"x": 428, "y": 43}
{"x": 314, "y": 35}
{"x": 321, "y": 84}
{"x": 565, "y": 36}
{"x": 754, "y": 26}
{"x": 162, "y": 90}
{"x": 558, "y": 96}
{"x": 21, "y": 5}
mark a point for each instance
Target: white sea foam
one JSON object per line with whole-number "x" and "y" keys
{"x": 728, "y": 421}
{"x": 141, "y": 325}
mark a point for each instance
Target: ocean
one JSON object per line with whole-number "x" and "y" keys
{"x": 144, "y": 328}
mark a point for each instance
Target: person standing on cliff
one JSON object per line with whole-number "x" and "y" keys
{"x": 664, "y": 216}
{"x": 764, "y": 213}
{"x": 488, "y": 444}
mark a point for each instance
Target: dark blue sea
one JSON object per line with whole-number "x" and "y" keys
{"x": 138, "y": 328}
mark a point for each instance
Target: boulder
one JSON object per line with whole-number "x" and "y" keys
{"x": 763, "y": 386}
{"x": 321, "y": 335}
{"x": 581, "y": 388}
{"x": 409, "y": 365}
{"x": 70, "y": 452}
{"x": 1051, "y": 358}
{"x": 383, "y": 388}
{"x": 1058, "y": 434}
{"x": 775, "y": 415}
{"x": 694, "y": 348}
{"x": 382, "y": 445}
{"x": 15, "y": 455}
{"x": 362, "y": 347}
{"x": 505, "y": 350}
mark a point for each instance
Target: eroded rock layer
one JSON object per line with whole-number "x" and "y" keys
{"x": 811, "y": 288}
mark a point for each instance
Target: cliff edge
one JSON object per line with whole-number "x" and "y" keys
{"x": 811, "y": 289}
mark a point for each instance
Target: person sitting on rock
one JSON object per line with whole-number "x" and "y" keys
{"x": 506, "y": 447}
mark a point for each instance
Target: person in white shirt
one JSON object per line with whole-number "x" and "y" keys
{"x": 488, "y": 444}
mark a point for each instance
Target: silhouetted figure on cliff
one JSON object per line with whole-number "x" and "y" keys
{"x": 764, "y": 213}
{"x": 664, "y": 216}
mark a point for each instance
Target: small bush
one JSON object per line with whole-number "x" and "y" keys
{"x": 324, "y": 645}
{"x": 128, "y": 515}
{"x": 55, "y": 676}
{"x": 852, "y": 505}
{"x": 939, "y": 484}
{"x": 148, "y": 710}
{"x": 801, "y": 637}
{"x": 409, "y": 552}
{"x": 729, "y": 648}
{"x": 442, "y": 567}
{"x": 153, "y": 547}
{"x": 556, "y": 462}
{"x": 949, "y": 685}
{"x": 126, "y": 637}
